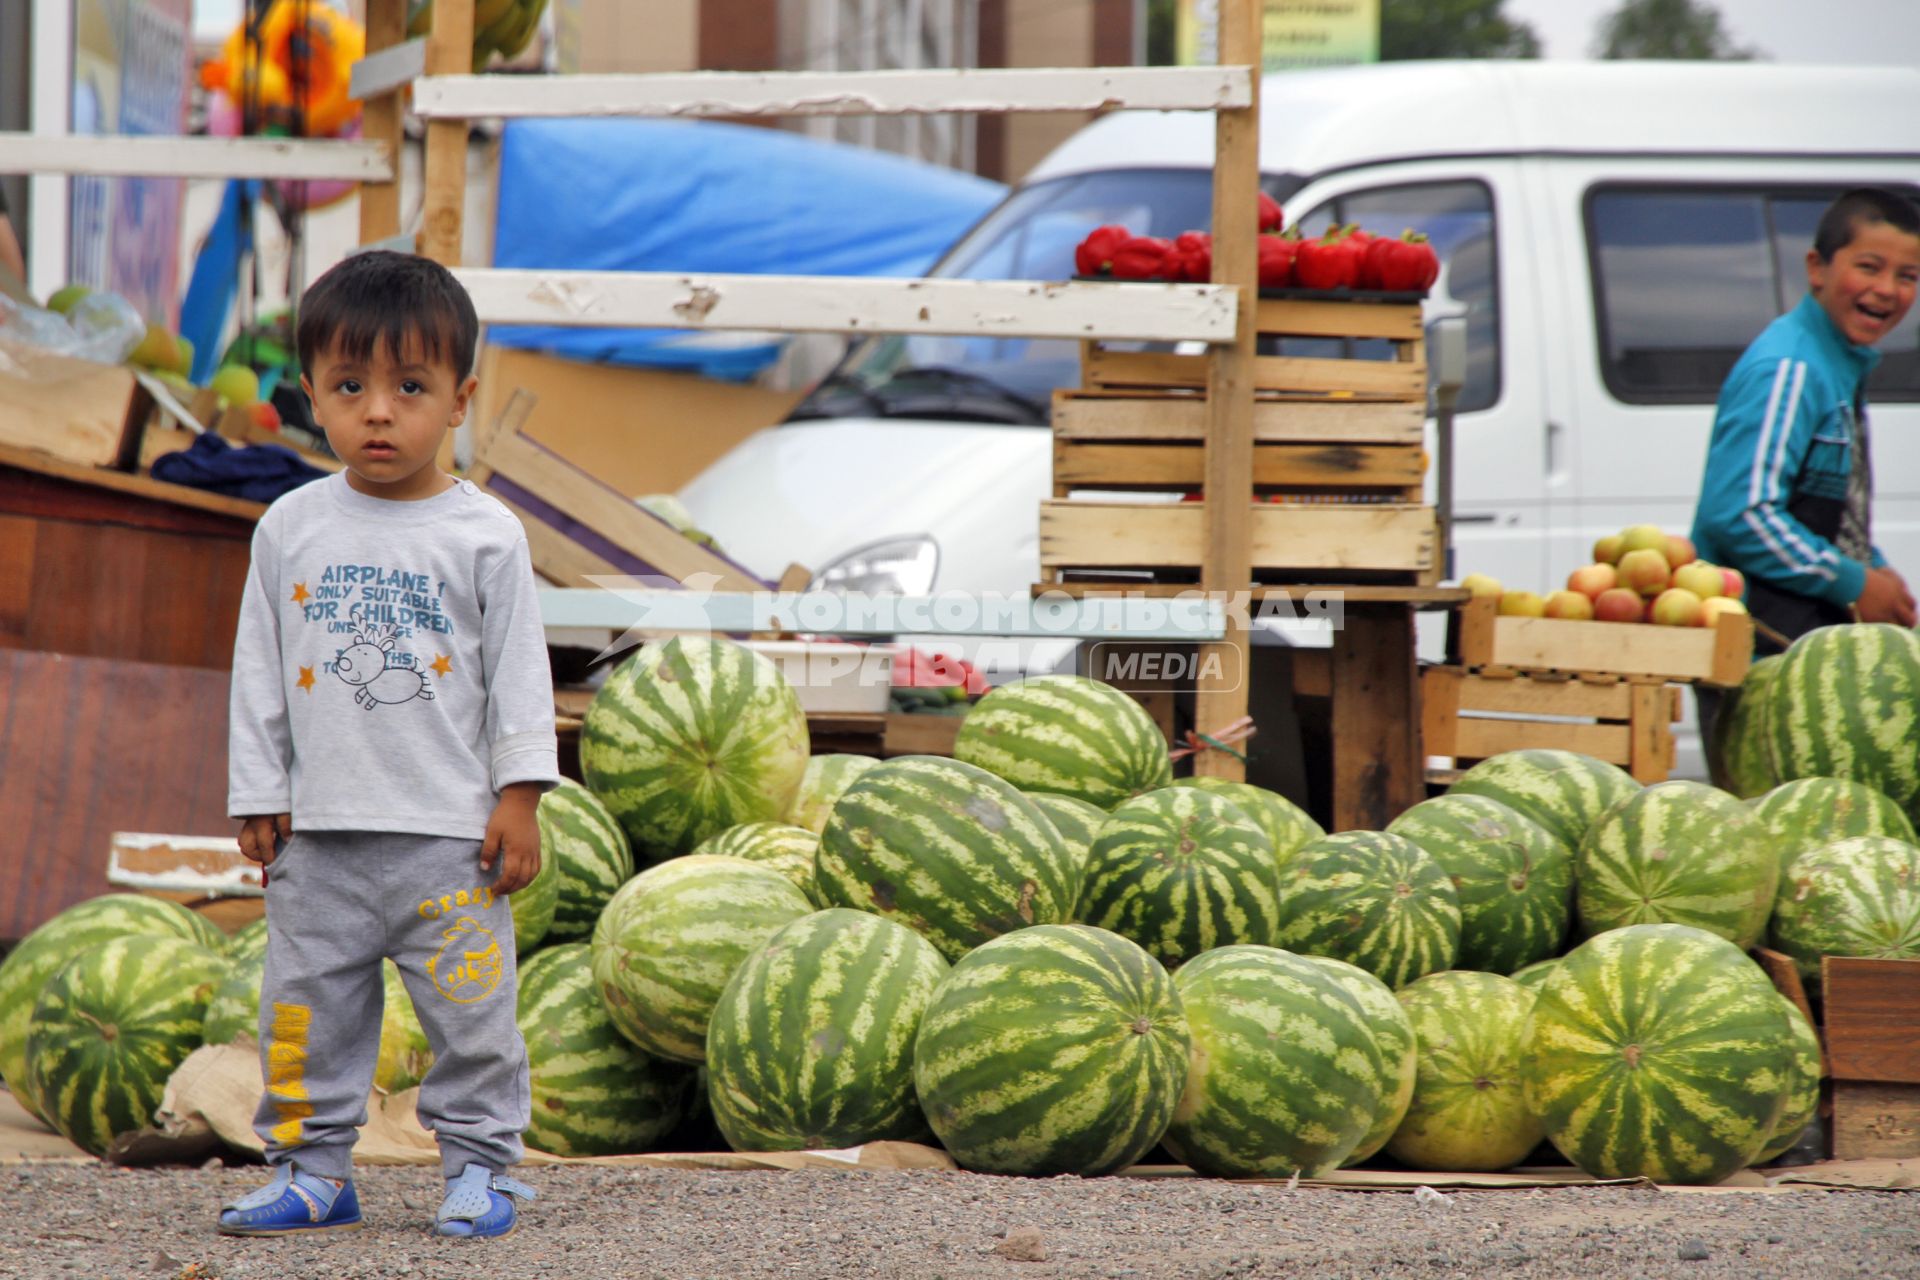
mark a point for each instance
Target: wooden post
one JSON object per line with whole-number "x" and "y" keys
{"x": 1227, "y": 563}
{"x": 1379, "y": 769}
{"x": 380, "y": 122}
{"x": 449, "y": 53}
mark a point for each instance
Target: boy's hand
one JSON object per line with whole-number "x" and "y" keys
{"x": 257, "y": 833}
{"x": 513, "y": 837}
{"x": 1885, "y": 599}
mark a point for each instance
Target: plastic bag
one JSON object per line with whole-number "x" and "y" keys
{"x": 102, "y": 327}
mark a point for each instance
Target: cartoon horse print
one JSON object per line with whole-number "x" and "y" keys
{"x": 365, "y": 665}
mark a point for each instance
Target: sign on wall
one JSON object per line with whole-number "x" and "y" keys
{"x": 1294, "y": 33}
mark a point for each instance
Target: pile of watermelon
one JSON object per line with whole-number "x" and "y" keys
{"x": 1050, "y": 957}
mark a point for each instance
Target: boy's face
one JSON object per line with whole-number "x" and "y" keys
{"x": 1869, "y": 286}
{"x": 385, "y": 418}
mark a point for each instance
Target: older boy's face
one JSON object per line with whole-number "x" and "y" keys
{"x": 385, "y": 418}
{"x": 1869, "y": 286}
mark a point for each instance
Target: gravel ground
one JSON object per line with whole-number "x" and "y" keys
{"x": 592, "y": 1223}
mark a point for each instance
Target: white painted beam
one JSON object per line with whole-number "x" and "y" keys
{"x": 694, "y": 95}
{"x": 113, "y": 155}
{"x": 843, "y": 304}
{"x": 389, "y": 69}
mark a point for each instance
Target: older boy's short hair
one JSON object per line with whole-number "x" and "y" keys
{"x": 1843, "y": 218}
{"x": 389, "y": 300}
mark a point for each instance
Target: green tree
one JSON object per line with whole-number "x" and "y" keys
{"x": 1452, "y": 29}
{"x": 1686, "y": 30}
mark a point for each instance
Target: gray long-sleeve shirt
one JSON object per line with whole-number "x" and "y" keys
{"x": 390, "y": 668}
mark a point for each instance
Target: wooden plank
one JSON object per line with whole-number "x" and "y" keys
{"x": 1399, "y": 468}
{"x": 836, "y": 304}
{"x": 1439, "y": 707}
{"x": 1405, "y": 380}
{"x": 1476, "y": 738}
{"x": 1301, "y": 593}
{"x": 1303, "y": 318}
{"x": 556, "y": 557}
{"x": 147, "y": 487}
{"x": 1875, "y": 1121}
{"x": 1378, "y": 758}
{"x": 1629, "y": 649}
{"x": 131, "y": 156}
{"x": 920, "y": 735}
{"x": 1732, "y": 649}
{"x": 732, "y": 95}
{"x": 380, "y": 124}
{"x": 1171, "y": 535}
{"x": 1131, "y": 415}
{"x": 1651, "y": 751}
{"x": 1872, "y": 1018}
{"x": 449, "y": 51}
{"x": 1786, "y": 979}
{"x": 390, "y": 65}
{"x": 1546, "y": 698}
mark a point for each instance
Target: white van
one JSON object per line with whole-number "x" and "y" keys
{"x": 1614, "y": 233}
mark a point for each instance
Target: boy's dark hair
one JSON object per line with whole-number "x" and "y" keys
{"x": 386, "y": 299}
{"x": 1843, "y": 218}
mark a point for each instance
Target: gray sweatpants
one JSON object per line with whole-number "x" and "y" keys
{"x": 338, "y": 902}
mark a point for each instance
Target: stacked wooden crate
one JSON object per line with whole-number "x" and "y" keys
{"x": 1606, "y": 689}
{"x": 1338, "y": 459}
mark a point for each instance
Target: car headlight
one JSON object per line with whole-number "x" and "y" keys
{"x": 902, "y": 566}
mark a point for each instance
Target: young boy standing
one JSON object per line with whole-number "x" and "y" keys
{"x": 391, "y": 734}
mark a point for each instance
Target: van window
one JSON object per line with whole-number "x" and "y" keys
{"x": 1684, "y": 279}
{"x": 1458, "y": 218}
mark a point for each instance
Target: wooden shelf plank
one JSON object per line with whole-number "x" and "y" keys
{"x": 1404, "y": 379}
{"x": 1139, "y": 415}
{"x": 117, "y": 155}
{"x": 1394, "y": 467}
{"x": 1090, "y": 535}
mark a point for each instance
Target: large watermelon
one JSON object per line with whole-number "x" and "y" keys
{"x": 1678, "y": 853}
{"x": 43, "y": 952}
{"x": 1658, "y": 1051}
{"x": 1393, "y": 1032}
{"x": 1069, "y": 735}
{"x": 1467, "y": 1110}
{"x": 1855, "y": 897}
{"x": 1077, "y": 822}
{"x": 947, "y": 849}
{"x": 672, "y": 937}
{"x": 826, "y": 776}
{"x": 1287, "y": 825}
{"x": 1181, "y": 871}
{"x": 249, "y": 942}
{"x": 590, "y": 854}
{"x": 1810, "y": 812}
{"x": 1372, "y": 899}
{"x": 1846, "y": 704}
{"x": 1535, "y": 975}
{"x": 1740, "y": 745}
{"x": 1055, "y": 1049}
{"x": 690, "y": 736}
{"x": 405, "y": 1054}
{"x": 1287, "y": 1076}
{"x": 1514, "y": 878}
{"x": 1803, "y": 1095}
{"x": 788, "y": 849}
{"x": 108, "y": 1030}
{"x": 1563, "y": 791}
{"x": 594, "y": 1093}
{"x": 812, "y": 1042}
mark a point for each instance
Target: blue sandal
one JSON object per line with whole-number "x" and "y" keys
{"x": 292, "y": 1202}
{"x": 475, "y": 1205}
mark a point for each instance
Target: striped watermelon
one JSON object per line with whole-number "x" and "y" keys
{"x": 1055, "y": 1049}
{"x": 690, "y": 736}
{"x": 1287, "y": 1077}
{"x": 1393, "y": 1032}
{"x": 787, "y": 849}
{"x": 1563, "y": 791}
{"x": 594, "y": 1094}
{"x": 1803, "y": 1095}
{"x": 1372, "y": 899}
{"x": 1077, "y": 822}
{"x": 1514, "y": 878}
{"x": 249, "y": 942}
{"x": 590, "y": 854}
{"x": 1467, "y": 1110}
{"x": 108, "y": 1030}
{"x": 812, "y": 1043}
{"x": 672, "y": 936}
{"x": 1810, "y": 812}
{"x": 825, "y": 778}
{"x": 1069, "y": 735}
{"x": 1679, "y": 853}
{"x": 1854, "y": 897}
{"x": 43, "y": 952}
{"x": 1658, "y": 1051}
{"x": 1846, "y": 704}
{"x": 234, "y": 1013}
{"x": 1535, "y": 975}
{"x": 1287, "y": 825}
{"x": 533, "y": 903}
{"x": 1740, "y": 748}
{"x": 1181, "y": 871}
{"x": 947, "y": 849}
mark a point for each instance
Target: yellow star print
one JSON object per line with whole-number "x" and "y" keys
{"x": 306, "y": 679}
{"x": 440, "y": 664}
{"x": 300, "y": 593}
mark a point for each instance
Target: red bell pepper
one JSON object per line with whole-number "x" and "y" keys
{"x": 1142, "y": 258}
{"x": 1373, "y": 263}
{"x": 1271, "y": 215}
{"x": 1192, "y": 257}
{"x": 1094, "y": 256}
{"x": 1331, "y": 262}
{"x": 1276, "y": 261}
{"x": 1410, "y": 266}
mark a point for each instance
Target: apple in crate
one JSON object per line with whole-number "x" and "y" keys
{"x": 1736, "y": 583}
{"x": 1620, "y": 605}
{"x": 1681, "y": 550}
{"x": 1607, "y": 550}
{"x": 1571, "y": 605}
{"x": 1714, "y": 608}
{"x": 1645, "y": 571}
{"x": 1591, "y": 580}
{"x": 1643, "y": 537}
{"x": 1479, "y": 585}
{"x": 1701, "y": 578}
{"x": 1676, "y": 607}
{"x": 1522, "y": 604}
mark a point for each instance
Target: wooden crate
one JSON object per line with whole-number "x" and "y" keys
{"x": 1720, "y": 655}
{"x": 1470, "y": 714}
{"x": 1871, "y": 1035}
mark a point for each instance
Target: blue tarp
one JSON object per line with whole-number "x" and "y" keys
{"x": 647, "y": 195}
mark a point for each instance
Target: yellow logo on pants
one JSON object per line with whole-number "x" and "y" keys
{"x": 469, "y": 965}
{"x": 287, "y": 1070}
